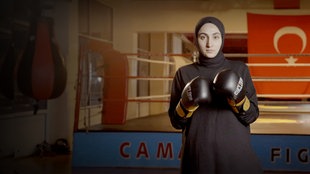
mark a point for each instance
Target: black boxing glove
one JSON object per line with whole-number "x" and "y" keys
{"x": 195, "y": 92}
{"x": 230, "y": 84}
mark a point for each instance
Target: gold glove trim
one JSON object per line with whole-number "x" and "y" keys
{"x": 185, "y": 112}
{"x": 246, "y": 104}
{"x": 242, "y": 106}
{"x": 180, "y": 110}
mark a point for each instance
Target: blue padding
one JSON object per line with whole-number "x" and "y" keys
{"x": 157, "y": 149}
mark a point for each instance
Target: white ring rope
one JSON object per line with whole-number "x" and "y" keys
{"x": 149, "y": 97}
{"x": 95, "y": 38}
{"x": 256, "y": 79}
{"x": 231, "y": 55}
{"x": 284, "y": 95}
{"x": 156, "y": 98}
{"x": 278, "y": 64}
{"x": 266, "y": 55}
{"x": 150, "y": 61}
{"x": 279, "y": 79}
{"x": 149, "y": 78}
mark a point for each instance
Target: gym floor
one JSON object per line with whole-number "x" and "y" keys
{"x": 291, "y": 118}
{"x": 61, "y": 164}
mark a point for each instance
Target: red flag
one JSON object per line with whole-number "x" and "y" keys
{"x": 283, "y": 35}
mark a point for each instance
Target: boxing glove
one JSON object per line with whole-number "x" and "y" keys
{"x": 230, "y": 84}
{"x": 195, "y": 92}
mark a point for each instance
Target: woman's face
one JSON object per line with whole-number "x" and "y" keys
{"x": 209, "y": 40}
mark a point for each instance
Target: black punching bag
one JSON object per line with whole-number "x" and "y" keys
{"x": 41, "y": 72}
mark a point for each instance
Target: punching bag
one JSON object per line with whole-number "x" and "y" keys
{"x": 41, "y": 72}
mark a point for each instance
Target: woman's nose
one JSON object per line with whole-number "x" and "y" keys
{"x": 208, "y": 44}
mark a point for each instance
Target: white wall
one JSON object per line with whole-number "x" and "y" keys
{"x": 61, "y": 110}
{"x": 20, "y": 133}
{"x": 181, "y": 16}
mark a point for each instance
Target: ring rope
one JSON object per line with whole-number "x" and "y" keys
{"x": 231, "y": 55}
{"x": 279, "y": 79}
{"x": 150, "y": 61}
{"x": 284, "y": 95}
{"x": 266, "y": 55}
{"x": 148, "y": 97}
{"x": 256, "y": 79}
{"x": 149, "y": 78}
{"x": 278, "y": 64}
{"x": 151, "y": 98}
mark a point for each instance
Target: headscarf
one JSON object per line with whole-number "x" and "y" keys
{"x": 220, "y": 55}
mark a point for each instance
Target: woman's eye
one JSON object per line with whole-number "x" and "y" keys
{"x": 217, "y": 37}
{"x": 202, "y": 37}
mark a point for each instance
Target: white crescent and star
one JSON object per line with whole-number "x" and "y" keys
{"x": 290, "y": 30}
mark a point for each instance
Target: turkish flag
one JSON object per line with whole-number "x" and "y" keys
{"x": 283, "y": 39}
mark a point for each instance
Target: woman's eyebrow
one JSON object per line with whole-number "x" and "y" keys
{"x": 206, "y": 33}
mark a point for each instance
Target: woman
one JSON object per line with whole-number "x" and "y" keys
{"x": 214, "y": 102}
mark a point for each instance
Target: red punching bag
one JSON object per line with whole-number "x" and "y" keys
{"x": 41, "y": 73}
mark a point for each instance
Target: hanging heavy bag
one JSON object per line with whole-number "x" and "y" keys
{"x": 41, "y": 72}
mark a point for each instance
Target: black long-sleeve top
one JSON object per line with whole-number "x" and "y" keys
{"x": 215, "y": 139}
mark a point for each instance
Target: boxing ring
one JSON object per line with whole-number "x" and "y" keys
{"x": 281, "y": 111}
{"x": 126, "y": 123}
